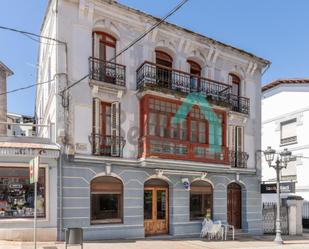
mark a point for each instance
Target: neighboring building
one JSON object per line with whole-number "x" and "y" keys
{"x": 285, "y": 122}
{"x": 4, "y": 73}
{"x": 20, "y": 125}
{"x": 126, "y": 165}
{"x": 18, "y": 145}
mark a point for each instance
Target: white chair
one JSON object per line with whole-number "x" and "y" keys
{"x": 212, "y": 230}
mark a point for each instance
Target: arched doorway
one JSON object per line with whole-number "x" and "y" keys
{"x": 234, "y": 205}
{"x": 156, "y": 207}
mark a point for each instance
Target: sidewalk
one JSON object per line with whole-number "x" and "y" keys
{"x": 263, "y": 242}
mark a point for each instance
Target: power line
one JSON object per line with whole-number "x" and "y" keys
{"x": 27, "y": 87}
{"x": 176, "y": 8}
{"x": 26, "y": 33}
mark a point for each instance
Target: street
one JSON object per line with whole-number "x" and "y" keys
{"x": 264, "y": 242}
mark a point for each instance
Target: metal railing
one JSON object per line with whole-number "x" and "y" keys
{"x": 26, "y": 130}
{"x": 152, "y": 75}
{"x": 108, "y": 72}
{"x": 107, "y": 145}
{"x": 238, "y": 159}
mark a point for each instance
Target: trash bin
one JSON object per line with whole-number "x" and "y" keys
{"x": 74, "y": 236}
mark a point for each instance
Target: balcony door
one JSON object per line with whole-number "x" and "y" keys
{"x": 104, "y": 52}
{"x": 235, "y": 82}
{"x": 164, "y": 64}
{"x": 156, "y": 216}
{"x": 236, "y": 146}
{"x": 195, "y": 74}
{"x": 106, "y": 128}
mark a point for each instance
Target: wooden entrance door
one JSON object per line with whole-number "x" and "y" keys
{"x": 234, "y": 205}
{"x": 155, "y": 210}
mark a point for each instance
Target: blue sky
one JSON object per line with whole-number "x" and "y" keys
{"x": 272, "y": 29}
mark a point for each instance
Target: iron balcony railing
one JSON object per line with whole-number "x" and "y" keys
{"x": 238, "y": 159}
{"x": 107, "y": 145}
{"x": 108, "y": 72}
{"x": 152, "y": 75}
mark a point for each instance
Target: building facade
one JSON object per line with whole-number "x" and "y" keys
{"x": 156, "y": 139}
{"x": 19, "y": 143}
{"x": 285, "y": 119}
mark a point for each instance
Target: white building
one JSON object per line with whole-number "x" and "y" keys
{"x": 115, "y": 126}
{"x": 285, "y": 124}
{"x": 20, "y": 125}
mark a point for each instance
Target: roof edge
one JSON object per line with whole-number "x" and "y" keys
{"x": 278, "y": 82}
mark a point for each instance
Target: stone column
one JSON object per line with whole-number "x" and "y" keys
{"x": 3, "y": 103}
{"x": 295, "y": 204}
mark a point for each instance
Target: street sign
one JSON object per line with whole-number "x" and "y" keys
{"x": 271, "y": 188}
{"x": 34, "y": 170}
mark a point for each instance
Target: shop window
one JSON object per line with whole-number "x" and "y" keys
{"x": 17, "y": 194}
{"x": 288, "y": 131}
{"x": 106, "y": 200}
{"x": 201, "y": 200}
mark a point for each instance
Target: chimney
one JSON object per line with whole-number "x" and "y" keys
{"x": 4, "y": 73}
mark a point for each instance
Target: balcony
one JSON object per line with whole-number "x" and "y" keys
{"x": 153, "y": 76}
{"x": 107, "y": 145}
{"x": 157, "y": 147}
{"x": 107, "y": 72}
{"x": 238, "y": 159}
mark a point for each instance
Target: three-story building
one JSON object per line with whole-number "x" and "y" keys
{"x": 155, "y": 139}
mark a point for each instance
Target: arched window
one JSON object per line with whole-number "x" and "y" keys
{"x": 195, "y": 71}
{"x": 106, "y": 200}
{"x": 164, "y": 59}
{"x": 164, "y": 64}
{"x": 234, "y": 80}
{"x": 105, "y": 46}
{"x": 201, "y": 200}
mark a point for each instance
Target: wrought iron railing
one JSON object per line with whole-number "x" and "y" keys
{"x": 238, "y": 159}
{"x": 107, "y": 145}
{"x": 151, "y": 146}
{"x": 108, "y": 72}
{"x": 239, "y": 104}
{"x": 152, "y": 75}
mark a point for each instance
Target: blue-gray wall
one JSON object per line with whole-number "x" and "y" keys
{"x": 76, "y": 201}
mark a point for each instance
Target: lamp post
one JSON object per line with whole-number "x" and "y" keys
{"x": 281, "y": 162}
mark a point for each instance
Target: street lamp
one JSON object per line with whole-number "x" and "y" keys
{"x": 281, "y": 162}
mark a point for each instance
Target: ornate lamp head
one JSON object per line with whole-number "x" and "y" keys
{"x": 269, "y": 155}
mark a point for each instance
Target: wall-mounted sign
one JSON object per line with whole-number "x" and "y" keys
{"x": 15, "y": 186}
{"x": 271, "y": 188}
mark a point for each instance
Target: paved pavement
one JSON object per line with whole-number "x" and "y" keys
{"x": 265, "y": 242}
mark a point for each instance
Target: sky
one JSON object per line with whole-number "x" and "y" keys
{"x": 272, "y": 29}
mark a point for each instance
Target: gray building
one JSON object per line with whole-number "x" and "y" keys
{"x": 133, "y": 163}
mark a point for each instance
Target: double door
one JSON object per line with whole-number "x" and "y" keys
{"x": 156, "y": 210}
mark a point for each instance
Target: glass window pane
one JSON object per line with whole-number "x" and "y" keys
{"x": 147, "y": 204}
{"x": 17, "y": 194}
{"x": 161, "y": 204}
{"x": 106, "y": 206}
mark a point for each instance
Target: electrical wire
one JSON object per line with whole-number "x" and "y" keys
{"x": 176, "y": 8}
{"x": 27, "y": 87}
{"x": 31, "y": 34}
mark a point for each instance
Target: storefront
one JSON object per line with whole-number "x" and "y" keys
{"x": 114, "y": 201}
{"x": 17, "y": 194}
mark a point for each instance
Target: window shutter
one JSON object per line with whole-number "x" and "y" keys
{"x": 115, "y": 128}
{"x": 96, "y": 45}
{"x": 288, "y": 129}
{"x": 232, "y": 137}
{"x": 240, "y": 138}
{"x": 97, "y": 124}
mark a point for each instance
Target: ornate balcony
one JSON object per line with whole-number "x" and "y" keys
{"x": 107, "y": 72}
{"x": 157, "y": 147}
{"x": 153, "y": 76}
{"x": 238, "y": 159}
{"x": 107, "y": 145}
